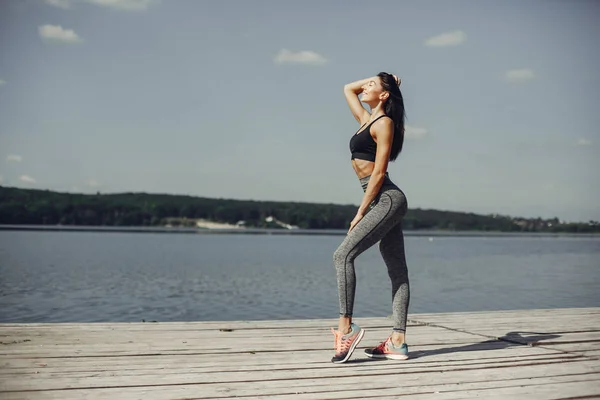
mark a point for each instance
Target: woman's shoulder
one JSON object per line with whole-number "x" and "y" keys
{"x": 382, "y": 124}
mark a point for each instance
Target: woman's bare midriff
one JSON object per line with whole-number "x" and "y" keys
{"x": 363, "y": 168}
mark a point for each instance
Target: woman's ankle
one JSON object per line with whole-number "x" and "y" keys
{"x": 398, "y": 338}
{"x": 345, "y": 325}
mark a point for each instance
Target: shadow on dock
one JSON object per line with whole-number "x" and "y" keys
{"x": 511, "y": 339}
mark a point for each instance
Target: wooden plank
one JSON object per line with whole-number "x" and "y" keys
{"x": 543, "y": 389}
{"x": 42, "y": 371}
{"x": 167, "y": 339}
{"x": 582, "y": 348}
{"x": 530, "y": 326}
{"x": 194, "y": 326}
{"x": 260, "y": 361}
{"x": 157, "y": 344}
{"x": 125, "y": 333}
{"x": 592, "y": 353}
{"x": 475, "y": 317}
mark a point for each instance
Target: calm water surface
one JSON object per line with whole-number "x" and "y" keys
{"x": 98, "y": 276}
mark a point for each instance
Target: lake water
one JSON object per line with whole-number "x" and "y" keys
{"x": 100, "y": 276}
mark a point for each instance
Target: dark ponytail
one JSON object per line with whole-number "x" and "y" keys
{"x": 394, "y": 108}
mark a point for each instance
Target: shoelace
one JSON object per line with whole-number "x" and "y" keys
{"x": 382, "y": 345}
{"x": 339, "y": 344}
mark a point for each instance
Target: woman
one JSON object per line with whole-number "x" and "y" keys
{"x": 379, "y": 216}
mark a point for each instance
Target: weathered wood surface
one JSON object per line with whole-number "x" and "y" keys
{"x": 533, "y": 354}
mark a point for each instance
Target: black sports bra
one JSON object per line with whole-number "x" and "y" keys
{"x": 362, "y": 145}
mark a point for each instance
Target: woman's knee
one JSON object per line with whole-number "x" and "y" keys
{"x": 339, "y": 256}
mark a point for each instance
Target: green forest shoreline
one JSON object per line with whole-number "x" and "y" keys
{"x": 59, "y": 209}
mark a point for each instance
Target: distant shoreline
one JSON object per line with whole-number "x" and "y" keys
{"x": 266, "y": 231}
{"x": 166, "y": 213}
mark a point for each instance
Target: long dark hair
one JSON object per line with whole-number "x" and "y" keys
{"x": 394, "y": 108}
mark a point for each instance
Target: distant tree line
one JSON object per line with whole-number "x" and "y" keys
{"x": 44, "y": 207}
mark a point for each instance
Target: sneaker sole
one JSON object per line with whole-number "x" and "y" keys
{"x": 356, "y": 342}
{"x": 388, "y": 356}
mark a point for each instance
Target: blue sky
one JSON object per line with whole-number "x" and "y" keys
{"x": 243, "y": 99}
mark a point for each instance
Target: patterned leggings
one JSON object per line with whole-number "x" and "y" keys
{"x": 382, "y": 223}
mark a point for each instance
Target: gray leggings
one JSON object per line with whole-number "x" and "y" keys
{"x": 382, "y": 223}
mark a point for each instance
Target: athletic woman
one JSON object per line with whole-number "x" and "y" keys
{"x": 379, "y": 217}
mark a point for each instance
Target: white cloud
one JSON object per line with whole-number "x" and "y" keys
{"x": 14, "y": 158}
{"x": 125, "y": 5}
{"x": 300, "y": 57}
{"x": 27, "y": 178}
{"x": 64, "y": 4}
{"x": 121, "y": 5}
{"x": 93, "y": 183}
{"x": 414, "y": 132}
{"x": 56, "y": 33}
{"x": 2, "y": 82}
{"x": 583, "y": 142}
{"x": 453, "y": 38}
{"x": 519, "y": 75}
{"x": 1, "y": 179}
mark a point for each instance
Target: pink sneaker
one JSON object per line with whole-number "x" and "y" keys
{"x": 345, "y": 344}
{"x": 387, "y": 350}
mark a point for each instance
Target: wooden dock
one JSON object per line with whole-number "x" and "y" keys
{"x": 533, "y": 354}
